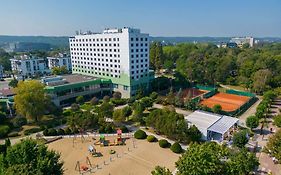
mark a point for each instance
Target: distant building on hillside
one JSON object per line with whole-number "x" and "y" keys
{"x": 240, "y": 41}
{"x": 59, "y": 61}
{"x": 26, "y": 47}
{"x": 28, "y": 66}
{"x": 1, "y": 71}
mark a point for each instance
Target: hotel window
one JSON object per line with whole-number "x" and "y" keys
{"x": 125, "y": 88}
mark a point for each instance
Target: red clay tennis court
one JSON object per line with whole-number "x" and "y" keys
{"x": 193, "y": 92}
{"x": 228, "y": 102}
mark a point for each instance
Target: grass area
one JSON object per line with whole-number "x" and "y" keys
{"x": 239, "y": 88}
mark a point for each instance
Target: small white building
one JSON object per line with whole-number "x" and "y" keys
{"x": 28, "y": 66}
{"x": 240, "y": 41}
{"x": 212, "y": 126}
{"x": 60, "y": 61}
{"x": 1, "y": 71}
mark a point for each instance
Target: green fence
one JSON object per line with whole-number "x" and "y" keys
{"x": 242, "y": 93}
{"x": 206, "y": 88}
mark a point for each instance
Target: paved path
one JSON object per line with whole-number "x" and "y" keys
{"x": 249, "y": 112}
{"x": 178, "y": 110}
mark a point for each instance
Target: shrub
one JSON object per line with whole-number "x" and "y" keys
{"x": 31, "y": 131}
{"x": 75, "y": 107}
{"x": 277, "y": 120}
{"x": 106, "y": 98}
{"x": 118, "y": 102}
{"x": 109, "y": 129}
{"x": 79, "y": 99}
{"x": 60, "y": 132}
{"x": 52, "y": 132}
{"x": 176, "y": 148}
{"x": 124, "y": 129}
{"x": 140, "y": 134}
{"x": 163, "y": 143}
{"x": 45, "y": 132}
{"x": 151, "y": 138}
{"x": 117, "y": 95}
{"x": 67, "y": 112}
{"x": 94, "y": 101}
{"x": 13, "y": 134}
{"x": 67, "y": 131}
{"x": 2, "y": 117}
{"x": 19, "y": 121}
{"x": 153, "y": 95}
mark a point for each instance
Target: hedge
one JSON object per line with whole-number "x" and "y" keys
{"x": 176, "y": 148}
{"x": 140, "y": 134}
{"x": 31, "y": 131}
{"x": 151, "y": 138}
{"x": 4, "y": 130}
{"x": 124, "y": 129}
{"x": 163, "y": 143}
{"x": 13, "y": 134}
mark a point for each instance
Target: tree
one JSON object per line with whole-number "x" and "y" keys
{"x": 118, "y": 115}
{"x": 117, "y": 95}
{"x": 79, "y": 99}
{"x": 240, "y": 139}
{"x": 106, "y": 110}
{"x": 94, "y": 101}
{"x": 217, "y": 108}
{"x": 59, "y": 70}
{"x": 75, "y": 107}
{"x": 211, "y": 158}
{"x": 30, "y": 99}
{"x": 30, "y": 157}
{"x": 273, "y": 145}
{"x": 242, "y": 162}
{"x": 252, "y": 122}
{"x": 202, "y": 159}
{"x": 13, "y": 83}
{"x": 106, "y": 99}
{"x": 261, "y": 79}
{"x": 161, "y": 171}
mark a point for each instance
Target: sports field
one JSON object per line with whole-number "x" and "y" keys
{"x": 228, "y": 102}
{"x": 192, "y": 92}
{"x": 137, "y": 157}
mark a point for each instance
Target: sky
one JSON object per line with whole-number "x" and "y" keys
{"x": 257, "y": 18}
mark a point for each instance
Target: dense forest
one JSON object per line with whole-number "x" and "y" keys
{"x": 257, "y": 69}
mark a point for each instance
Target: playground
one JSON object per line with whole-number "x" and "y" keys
{"x": 228, "y": 102}
{"x": 110, "y": 154}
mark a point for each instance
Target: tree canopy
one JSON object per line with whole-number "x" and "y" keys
{"x": 30, "y": 99}
{"x": 30, "y": 157}
{"x": 211, "y": 159}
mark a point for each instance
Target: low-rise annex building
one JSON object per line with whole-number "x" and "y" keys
{"x": 64, "y": 89}
{"x": 60, "y": 61}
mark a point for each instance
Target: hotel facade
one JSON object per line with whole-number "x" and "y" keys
{"x": 120, "y": 55}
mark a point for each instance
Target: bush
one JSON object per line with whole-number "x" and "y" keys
{"x": 13, "y": 134}
{"x": 67, "y": 131}
{"x": 106, "y": 98}
{"x": 153, "y": 95}
{"x": 79, "y": 99}
{"x": 176, "y": 148}
{"x": 60, "y": 132}
{"x": 109, "y": 129}
{"x": 31, "y": 131}
{"x": 19, "y": 121}
{"x": 140, "y": 134}
{"x": 151, "y": 138}
{"x": 117, "y": 95}
{"x": 45, "y": 132}
{"x": 124, "y": 129}
{"x": 94, "y": 101}
{"x": 118, "y": 102}
{"x": 163, "y": 143}
{"x": 52, "y": 132}
{"x": 277, "y": 120}
{"x": 67, "y": 112}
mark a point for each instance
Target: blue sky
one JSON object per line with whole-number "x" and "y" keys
{"x": 256, "y": 18}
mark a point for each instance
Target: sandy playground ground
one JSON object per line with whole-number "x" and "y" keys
{"x": 137, "y": 157}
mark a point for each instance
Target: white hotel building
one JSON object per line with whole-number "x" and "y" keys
{"x": 59, "y": 61}
{"x": 121, "y": 55}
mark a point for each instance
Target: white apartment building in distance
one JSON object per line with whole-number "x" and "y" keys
{"x": 59, "y": 61}
{"x": 121, "y": 55}
{"x": 28, "y": 66}
{"x": 240, "y": 41}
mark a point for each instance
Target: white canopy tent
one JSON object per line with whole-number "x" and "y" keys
{"x": 211, "y": 124}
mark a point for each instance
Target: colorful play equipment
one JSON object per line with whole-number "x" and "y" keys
{"x": 118, "y": 141}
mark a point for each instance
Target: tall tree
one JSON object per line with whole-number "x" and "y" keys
{"x": 30, "y": 157}
{"x": 30, "y": 99}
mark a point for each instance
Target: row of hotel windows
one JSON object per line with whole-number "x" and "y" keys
{"x": 96, "y": 64}
{"x": 106, "y": 55}
{"x": 110, "y": 50}
{"x": 98, "y": 45}
{"x": 100, "y": 69}
{"x": 97, "y": 73}
{"x": 106, "y": 39}
{"x": 96, "y": 59}
{"x": 94, "y": 39}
